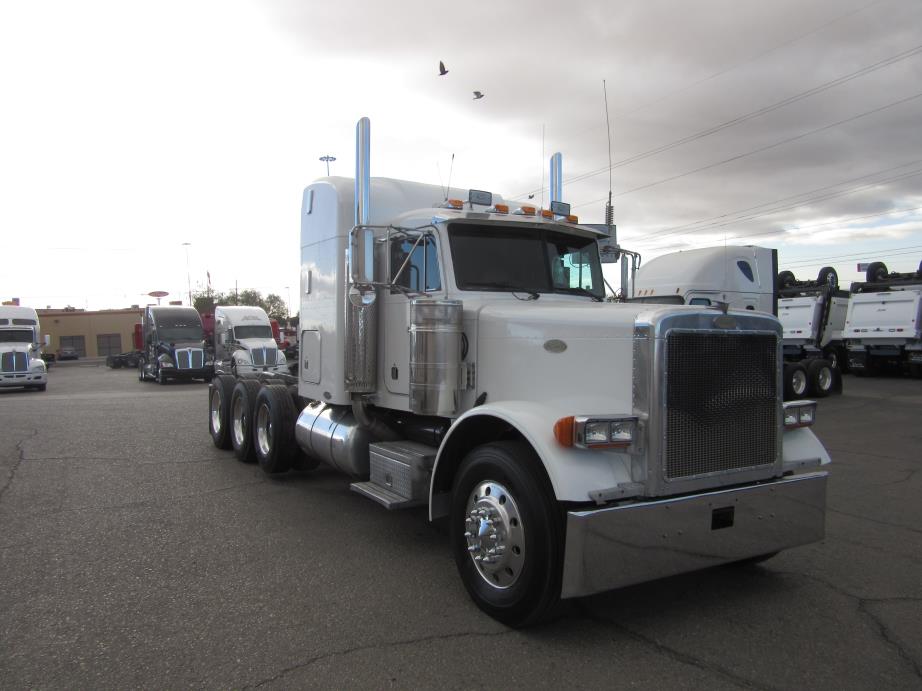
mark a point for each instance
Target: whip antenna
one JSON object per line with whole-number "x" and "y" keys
{"x": 609, "y": 211}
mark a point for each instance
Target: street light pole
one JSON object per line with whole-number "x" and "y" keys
{"x": 328, "y": 160}
{"x": 188, "y": 275}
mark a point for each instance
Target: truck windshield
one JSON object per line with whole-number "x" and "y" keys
{"x": 526, "y": 258}
{"x": 252, "y": 331}
{"x": 16, "y": 336}
{"x": 178, "y": 328}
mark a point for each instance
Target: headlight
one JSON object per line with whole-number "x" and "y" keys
{"x": 243, "y": 357}
{"x": 799, "y": 414}
{"x": 596, "y": 432}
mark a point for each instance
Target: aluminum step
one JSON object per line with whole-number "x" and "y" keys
{"x": 387, "y": 498}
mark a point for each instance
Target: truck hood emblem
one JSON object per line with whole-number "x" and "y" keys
{"x": 555, "y": 345}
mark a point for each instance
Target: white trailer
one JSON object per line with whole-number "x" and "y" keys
{"x": 21, "y": 363}
{"x": 456, "y": 352}
{"x": 244, "y": 344}
{"x": 884, "y": 322}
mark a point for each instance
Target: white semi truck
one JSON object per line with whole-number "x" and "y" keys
{"x": 812, "y": 313}
{"x": 459, "y": 355}
{"x": 884, "y": 321}
{"x": 21, "y": 363}
{"x": 243, "y": 342}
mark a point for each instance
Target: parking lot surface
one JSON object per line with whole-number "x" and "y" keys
{"x": 135, "y": 554}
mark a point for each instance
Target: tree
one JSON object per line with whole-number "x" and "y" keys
{"x": 276, "y": 308}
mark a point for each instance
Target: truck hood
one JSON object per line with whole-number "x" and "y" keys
{"x": 577, "y": 353}
{"x": 17, "y": 348}
{"x": 253, "y": 343}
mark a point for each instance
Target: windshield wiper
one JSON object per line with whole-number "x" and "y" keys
{"x": 579, "y": 291}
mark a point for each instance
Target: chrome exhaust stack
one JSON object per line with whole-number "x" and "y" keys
{"x": 556, "y": 181}
{"x": 361, "y": 318}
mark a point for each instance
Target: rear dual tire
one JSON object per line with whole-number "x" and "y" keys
{"x": 219, "y": 401}
{"x": 274, "y": 429}
{"x": 242, "y": 405}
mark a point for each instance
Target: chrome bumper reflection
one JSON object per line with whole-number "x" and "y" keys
{"x": 623, "y": 545}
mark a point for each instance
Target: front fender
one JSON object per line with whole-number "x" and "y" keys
{"x": 573, "y": 473}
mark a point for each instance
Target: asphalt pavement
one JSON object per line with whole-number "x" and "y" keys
{"x": 135, "y": 554}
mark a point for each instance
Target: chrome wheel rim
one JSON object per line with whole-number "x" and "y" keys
{"x": 799, "y": 382}
{"x": 238, "y": 422}
{"x": 216, "y": 411}
{"x": 824, "y": 379}
{"x": 263, "y": 430}
{"x": 495, "y": 534}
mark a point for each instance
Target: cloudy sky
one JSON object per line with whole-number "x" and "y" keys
{"x": 128, "y": 129}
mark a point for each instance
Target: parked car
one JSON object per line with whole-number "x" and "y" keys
{"x": 67, "y": 353}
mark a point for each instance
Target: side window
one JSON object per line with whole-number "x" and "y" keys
{"x": 746, "y": 270}
{"x": 571, "y": 267}
{"x": 421, "y": 273}
{"x": 699, "y": 301}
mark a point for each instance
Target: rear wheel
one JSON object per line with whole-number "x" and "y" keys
{"x": 786, "y": 279}
{"x": 506, "y": 533}
{"x": 877, "y": 271}
{"x": 243, "y": 401}
{"x": 141, "y": 376}
{"x": 795, "y": 381}
{"x": 274, "y": 429}
{"x": 828, "y": 276}
{"x": 821, "y": 378}
{"x": 219, "y": 401}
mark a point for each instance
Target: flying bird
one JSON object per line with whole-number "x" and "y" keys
{"x": 442, "y": 70}
{"x": 531, "y": 196}
{"x": 477, "y": 95}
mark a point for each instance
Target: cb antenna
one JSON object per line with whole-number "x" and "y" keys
{"x": 609, "y": 211}
{"x": 450, "y": 169}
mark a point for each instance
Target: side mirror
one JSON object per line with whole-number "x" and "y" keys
{"x": 362, "y": 256}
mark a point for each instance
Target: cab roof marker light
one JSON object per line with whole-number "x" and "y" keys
{"x": 547, "y": 213}
{"x": 525, "y": 211}
{"x": 572, "y": 218}
{"x": 453, "y": 204}
{"x": 499, "y": 209}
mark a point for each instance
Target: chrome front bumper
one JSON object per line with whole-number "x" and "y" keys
{"x": 619, "y": 546}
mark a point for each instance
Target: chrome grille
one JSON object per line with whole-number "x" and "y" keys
{"x": 263, "y": 356}
{"x": 190, "y": 358}
{"x": 721, "y": 402}
{"x": 14, "y": 362}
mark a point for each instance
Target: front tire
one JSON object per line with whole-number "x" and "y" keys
{"x": 243, "y": 402}
{"x": 506, "y": 533}
{"x": 161, "y": 377}
{"x": 219, "y": 403}
{"x": 274, "y": 429}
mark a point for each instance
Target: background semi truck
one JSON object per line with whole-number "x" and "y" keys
{"x": 21, "y": 363}
{"x": 245, "y": 342}
{"x": 747, "y": 277}
{"x": 174, "y": 345}
{"x": 456, "y": 352}
{"x": 884, "y": 321}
